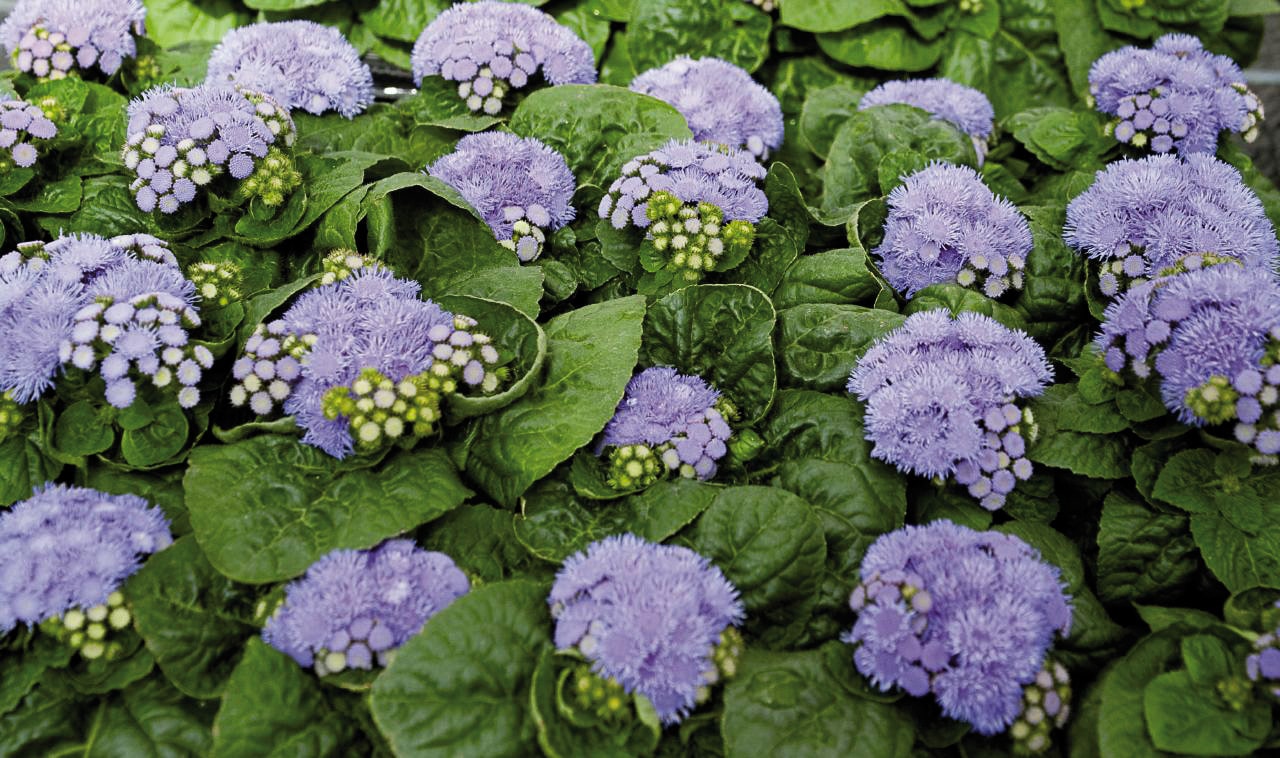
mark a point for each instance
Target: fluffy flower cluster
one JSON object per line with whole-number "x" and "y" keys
{"x": 1263, "y": 665}
{"x": 945, "y": 225}
{"x": 1212, "y": 337}
{"x": 362, "y": 362}
{"x": 721, "y": 102}
{"x": 968, "y": 616}
{"x": 941, "y": 394}
{"x": 55, "y": 38}
{"x": 301, "y": 64}
{"x": 180, "y": 140}
{"x": 357, "y": 606}
{"x": 1175, "y": 96}
{"x": 966, "y": 107}
{"x": 491, "y": 48}
{"x": 121, "y": 306}
{"x": 667, "y": 421}
{"x": 21, "y": 124}
{"x": 1143, "y": 218}
{"x": 649, "y": 616}
{"x": 71, "y": 547}
{"x": 521, "y": 187}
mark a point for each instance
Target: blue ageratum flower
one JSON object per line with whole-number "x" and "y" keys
{"x": 945, "y": 225}
{"x": 1211, "y": 339}
{"x": 23, "y": 126}
{"x": 521, "y": 187}
{"x": 355, "y": 607}
{"x": 966, "y": 107}
{"x": 967, "y": 616}
{"x": 942, "y": 395}
{"x": 301, "y": 64}
{"x": 1162, "y": 214}
{"x": 180, "y": 140}
{"x": 362, "y": 362}
{"x": 667, "y": 421}
{"x": 71, "y": 548}
{"x": 1176, "y": 96}
{"x": 649, "y": 616}
{"x": 491, "y": 48}
{"x": 721, "y": 102}
{"x": 54, "y": 38}
{"x": 1263, "y": 665}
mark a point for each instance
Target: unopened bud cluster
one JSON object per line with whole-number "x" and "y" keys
{"x": 1002, "y": 462}
{"x": 339, "y": 264}
{"x": 217, "y": 283}
{"x": 89, "y": 631}
{"x": 273, "y": 179}
{"x": 379, "y": 410}
{"x": 600, "y": 695}
{"x": 1046, "y": 705}
{"x": 11, "y": 416}
{"x": 694, "y": 236}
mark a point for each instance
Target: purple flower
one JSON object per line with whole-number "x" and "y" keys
{"x": 21, "y": 125}
{"x": 966, "y": 107}
{"x": 966, "y": 615}
{"x": 71, "y": 547}
{"x": 52, "y": 38}
{"x": 521, "y": 187}
{"x": 940, "y": 395}
{"x": 301, "y": 64}
{"x": 945, "y": 225}
{"x": 1263, "y": 665}
{"x": 1162, "y": 214}
{"x": 492, "y": 48}
{"x": 1176, "y": 96}
{"x": 357, "y": 606}
{"x": 721, "y": 102}
{"x": 648, "y": 615}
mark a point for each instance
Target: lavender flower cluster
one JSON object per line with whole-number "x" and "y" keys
{"x": 721, "y": 102}
{"x": 522, "y": 188}
{"x": 1175, "y": 96}
{"x": 1211, "y": 337}
{"x": 180, "y": 140}
{"x": 941, "y": 400}
{"x": 53, "y": 39}
{"x": 121, "y": 306}
{"x": 492, "y": 48}
{"x": 71, "y": 547}
{"x": 666, "y": 422}
{"x": 301, "y": 64}
{"x": 966, "y": 107}
{"x": 945, "y": 225}
{"x": 967, "y": 616}
{"x": 21, "y": 123}
{"x": 362, "y": 361}
{"x": 355, "y": 607}
{"x": 1143, "y": 218}
{"x": 1263, "y": 665}
{"x": 649, "y": 616}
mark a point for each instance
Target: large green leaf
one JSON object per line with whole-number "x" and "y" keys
{"x": 822, "y": 343}
{"x": 661, "y": 30}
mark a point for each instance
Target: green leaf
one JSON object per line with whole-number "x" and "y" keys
{"x": 1100, "y": 456}
{"x": 25, "y": 666}
{"x": 661, "y": 30}
{"x": 590, "y": 357}
{"x": 402, "y": 20}
{"x": 1061, "y": 138}
{"x": 481, "y": 540}
{"x": 1122, "y": 728}
{"x": 884, "y": 44}
{"x": 150, "y": 718}
{"x": 160, "y": 440}
{"x": 1185, "y": 717}
{"x": 83, "y": 429}
{"x": 274, "y": 707}
{"x": 1143, "y": 554}
{"x": 824, "y": 111}
{"x": 834, "y": 277}
{"x": 266, "y": 508}
{"x": 835, "y": 15}
{"x": 560, "y": 737}
{"x": 721, "y": 332}
{"x": 461, "y": 686}
{"x": 1240, "y": 558}
{"x": 170, "y": 22}
{"x": 520, "y": 286}
{"x": 820, "y": 343}
{"x": 521, "y": 345}
{"x": 1081, "y": 38}
{"x": 192, "y": 618}
{"x": 1193, "y": 481}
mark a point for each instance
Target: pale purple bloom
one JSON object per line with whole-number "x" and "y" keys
{"x": 301, "y": 64}
{"x": 966, "y": 615}
{"x": 491, "y": 48}
{"x": 945, "y": 225}
{"x": 355, "y": 607}
{"x": 70, "y": 547}
{"x": 721, "y": 102}
{"x": 50, "y": 38}
{"x": 1263, "y": 665}
{"x": 966, "y": 107}
{"x": 21, "y": 123}
{"x": 648, "y": 615}
{"x": 675, "y": 413}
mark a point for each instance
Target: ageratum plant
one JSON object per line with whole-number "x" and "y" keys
{"x": 680, "y": 377}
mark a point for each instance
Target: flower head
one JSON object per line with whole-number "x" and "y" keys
{"x": 301, "y": 64}
{"x": 966, "y": 107}
{"x": 71, "y": 547}
{"x": 1175, "y": 96}
{"x": 491, "y": 48}
{"x": 966, "y": 615}
{"x": 53, "y": 38}
{"x": 945, "y": 225}
{"x": 23, "y": 126}
{"x": 521, "y": 187}
{"x": 1160, "y": 214}
{"x": 648, "y": 615}
{"x": 355, "y": 607}
{"x": 721, "y": 102}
